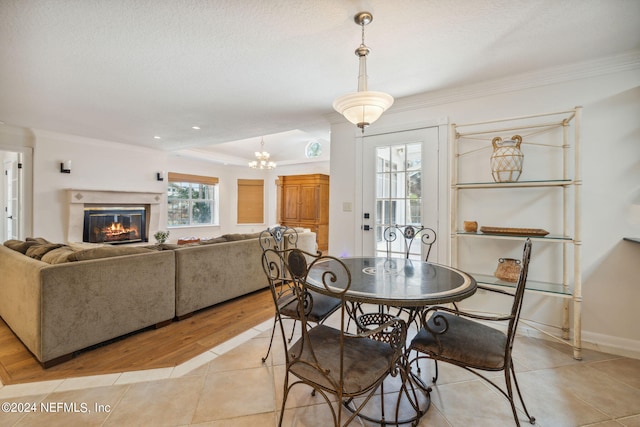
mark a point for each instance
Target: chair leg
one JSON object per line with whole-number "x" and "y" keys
{"x": 532, "y": 420}
{"x": 273, "y": 331}
{"x": 382, "y": 402}
{"x": 293, "y": 329}
{"x": 284, "y": 399}
{"x": 435, "y": 377}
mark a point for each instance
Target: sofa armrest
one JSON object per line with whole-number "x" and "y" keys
{"x": 20, "y": 296}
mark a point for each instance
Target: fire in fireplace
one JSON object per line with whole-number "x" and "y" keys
{"x": 121, "y": 224}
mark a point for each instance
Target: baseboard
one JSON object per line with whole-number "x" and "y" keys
{"x": 613, "y": 345}
{"x": 592, "y": 341}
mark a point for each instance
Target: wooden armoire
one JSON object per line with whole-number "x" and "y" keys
{"x": 304, "y": 202}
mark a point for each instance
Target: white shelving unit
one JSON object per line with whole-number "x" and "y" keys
{"x": 546, "y": 196}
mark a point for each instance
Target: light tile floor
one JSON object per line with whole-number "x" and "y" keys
{"x": 229, "y": 386}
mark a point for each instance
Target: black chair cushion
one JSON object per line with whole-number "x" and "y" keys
{"x": 365, "y": 360}
{"x": 323, "y": 306}
{"x": 466, "y": 342}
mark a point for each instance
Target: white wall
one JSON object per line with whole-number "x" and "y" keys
{"x": 96, "y": 165}
{"x": 611, "y": 188}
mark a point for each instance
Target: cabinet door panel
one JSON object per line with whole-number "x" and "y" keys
{"x": 291, "y": 203}
{"x": 309, "y": 197}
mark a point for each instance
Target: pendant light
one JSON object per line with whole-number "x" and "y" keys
{"x": 364, "y": 106}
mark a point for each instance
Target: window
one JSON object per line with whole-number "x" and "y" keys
{"x": 250, "y": 201}
{"x": 192, "y": 200}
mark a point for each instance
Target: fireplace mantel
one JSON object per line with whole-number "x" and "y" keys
{"x": 79, "y": 198}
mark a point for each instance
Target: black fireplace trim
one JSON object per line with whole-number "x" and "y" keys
{"x": 116, "y": 210}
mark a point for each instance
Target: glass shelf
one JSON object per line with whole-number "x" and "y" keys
{"x": 549, "y": 237}
{"x": 518, "y": 184}
{"x": 554, "y": 190}
{"x": 532, "y": 285}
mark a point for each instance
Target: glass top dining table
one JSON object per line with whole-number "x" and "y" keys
{"x": 397, "y": 281}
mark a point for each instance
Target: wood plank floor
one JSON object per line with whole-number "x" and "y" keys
{"x": 148, "y": 349}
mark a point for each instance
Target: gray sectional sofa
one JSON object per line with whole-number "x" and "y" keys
{"x": 59, "y": 299}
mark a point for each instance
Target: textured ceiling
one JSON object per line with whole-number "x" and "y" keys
{"x": 128, "y": 70}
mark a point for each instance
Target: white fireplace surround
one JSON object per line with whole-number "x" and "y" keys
{"x": 79, "y": 198}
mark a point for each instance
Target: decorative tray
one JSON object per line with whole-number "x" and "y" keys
{"x": 514, "y": 231}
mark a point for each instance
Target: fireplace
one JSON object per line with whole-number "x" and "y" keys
{"x": 81, "y": 200}
{"x": 114, "y": 224}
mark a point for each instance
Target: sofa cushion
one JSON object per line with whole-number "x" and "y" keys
{"x": 233, "y": 237}
{"x": 39, "y": 240}
{"x": 168, "y": 246}
{"x": 106, "y": 252}
{"x": 58, "y": 255}
{"x": 19, "y": 245}
{"x": 38, "y": 251}
{"x": 240, "y": 236}
{"x": 213, "y": 241}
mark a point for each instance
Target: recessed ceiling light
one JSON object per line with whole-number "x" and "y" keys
{"x": 156, "y": 137}
{"x": 195, "y": 127}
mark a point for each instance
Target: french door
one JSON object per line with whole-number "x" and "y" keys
{"x": 399, "y": 186}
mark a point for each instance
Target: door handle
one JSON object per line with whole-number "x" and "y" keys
{"x": 10, "y": 217}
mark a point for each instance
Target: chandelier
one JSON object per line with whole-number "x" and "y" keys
{"x": 363, "y": 107}
{"x": 262, "y": 159}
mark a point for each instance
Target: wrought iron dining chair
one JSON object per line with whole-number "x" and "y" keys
{"x": 458, "y": 338}
{"x": 333, "y": 362}
{"x": 409, "y": 233}
{"x": 280, "y": 238}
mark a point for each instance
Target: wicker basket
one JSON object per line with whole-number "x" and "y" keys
{"x": 508, "y": 269}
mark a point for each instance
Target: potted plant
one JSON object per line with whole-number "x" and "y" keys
{"x": 161, "y": 236}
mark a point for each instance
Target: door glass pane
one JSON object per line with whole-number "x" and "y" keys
{"x": 397, "y": 158}
{"x": 398, "y": 192}
{"x": 382, "y": 185}
{"x": 414, "y": 157}
{"x": 414, "y": 212}
{"x": 379, "y": 212}
{"x": 382, "y": 159}
{"x": 414, "y": 185}
{"x": 398, "y": 183}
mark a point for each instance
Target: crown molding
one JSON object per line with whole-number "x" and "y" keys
{"x": 624, "y": 62}
{"x": 629, "y": 60}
